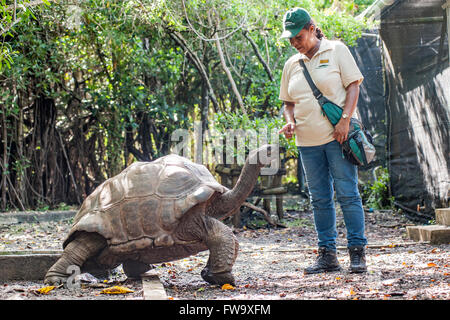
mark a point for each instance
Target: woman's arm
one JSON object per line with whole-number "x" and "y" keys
{"x": 351, "y": 100}
{"x": 289, "y": 127}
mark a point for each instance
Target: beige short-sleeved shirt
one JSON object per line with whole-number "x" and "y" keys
{"x": 332, "y": 69}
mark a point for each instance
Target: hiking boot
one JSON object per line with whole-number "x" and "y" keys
{"x": 357, "y": 259}
{"x": 326, "y": 262}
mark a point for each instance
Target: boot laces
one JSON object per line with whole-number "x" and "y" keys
{"x": 356, "y": 255}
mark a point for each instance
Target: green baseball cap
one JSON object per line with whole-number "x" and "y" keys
{"x": 293, "y": 21}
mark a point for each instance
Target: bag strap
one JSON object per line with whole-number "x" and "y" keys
{"x": 314, "y": 89}
{"x": 317, "y": 93}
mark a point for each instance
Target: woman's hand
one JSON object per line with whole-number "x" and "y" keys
{"x": 342, "y": 127}
{"x": 288, "y": 130}
{"x": 341, "y": 130}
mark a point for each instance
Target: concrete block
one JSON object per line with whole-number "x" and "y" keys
{"x": 443, "y": 216}
{"x": 435, "y": 234}
{"x": 26, "y": 265}
{"x": 153, "y": 288}
{"x": 413, "y": 232}
{"x": 7, "y": 218}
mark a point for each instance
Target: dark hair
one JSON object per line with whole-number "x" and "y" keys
{"x": 319, "y": 33}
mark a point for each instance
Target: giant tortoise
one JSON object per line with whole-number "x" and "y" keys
{"x": 160, "y": 211}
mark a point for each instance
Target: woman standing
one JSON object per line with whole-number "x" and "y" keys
{"x": 337, "y": 76}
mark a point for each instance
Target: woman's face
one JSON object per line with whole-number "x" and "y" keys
{"x": 304, "y": 41}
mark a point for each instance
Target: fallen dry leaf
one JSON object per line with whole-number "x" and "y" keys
{"x": 45, "y": 290}
{"x": 116, "y": 290}
{"x": 227, "y": 286}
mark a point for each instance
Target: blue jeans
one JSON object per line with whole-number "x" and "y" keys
{"x": 324, "y": 165}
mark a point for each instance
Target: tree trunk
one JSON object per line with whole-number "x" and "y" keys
{"x": 258, "y": 55}
{"x": 4, "y": 158}
{"x": 225, "y": 67}
{"x": 21, "y": 176}
{"x": 205, "y": 107}
{"x": 178, "y": 38}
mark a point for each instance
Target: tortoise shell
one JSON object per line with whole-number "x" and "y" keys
{"x": 143, "y": 205}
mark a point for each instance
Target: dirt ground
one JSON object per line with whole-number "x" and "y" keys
{"x": 269, "y": 266}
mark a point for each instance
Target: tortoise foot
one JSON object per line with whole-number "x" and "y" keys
{"x": 217, "y": 278}
{"x": 55, "y": 280}
{"x": 134, "y": 269}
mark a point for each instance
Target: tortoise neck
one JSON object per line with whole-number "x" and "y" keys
{"x": 228, "y": 203}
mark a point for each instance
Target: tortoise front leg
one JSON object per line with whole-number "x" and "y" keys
{"x": 133, "y": 268}
{"x": 81, "y": 248}
{"x": 223, "y": 249}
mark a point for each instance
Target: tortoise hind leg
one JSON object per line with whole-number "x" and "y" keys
{"x": 77, "y": 252}
{"x": 223, "y": 249}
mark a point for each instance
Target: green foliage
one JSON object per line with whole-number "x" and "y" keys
{"x": 376, "y": 194}
{"x": 63, "y": 207}
{"x": 265, "y": 127}
{"x": 296, "y": 223}
{"x": 12, "y": 15}
{"x": 42, "y": 207}
{"x": 92, "y": 86}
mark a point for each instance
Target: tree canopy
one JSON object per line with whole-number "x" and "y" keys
{"x": 88, "y": 87}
